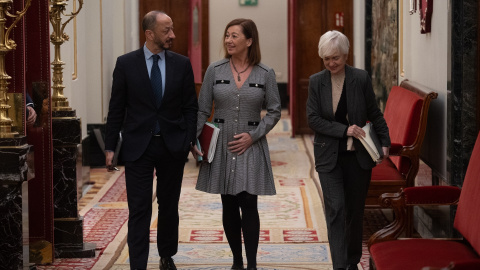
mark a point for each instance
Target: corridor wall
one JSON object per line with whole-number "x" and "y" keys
{"x": 102, "y": 31}
{"x": 425, "y": 61}
{"x": 270, "y": 16}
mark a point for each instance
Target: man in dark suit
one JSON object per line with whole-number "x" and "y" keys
{"x": 154, "y": 100}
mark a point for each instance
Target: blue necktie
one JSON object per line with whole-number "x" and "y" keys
{"x": 156, "y": 81}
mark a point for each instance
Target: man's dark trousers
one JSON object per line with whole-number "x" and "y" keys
{"x": 139, "y": 181}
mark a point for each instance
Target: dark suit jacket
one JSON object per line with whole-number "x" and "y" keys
{"x": 132, "y": 106}
{"x": 361, "y": 107}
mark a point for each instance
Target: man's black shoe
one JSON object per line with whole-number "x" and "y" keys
{"x": 167, "y": 264}
{"x": 352, "y": 267}
{"x": 237, "y": 267}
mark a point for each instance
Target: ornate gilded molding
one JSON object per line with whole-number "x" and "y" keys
{"x": 57, "y": 38}
{"x": 7, "y": 45}
{"x": 75, "y": 51}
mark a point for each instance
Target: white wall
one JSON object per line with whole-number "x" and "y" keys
{"x": 74, "y": 88}
{"x": 105, "y": 30}
{"x": 92, "y": 60}
{"x": 359, "y": 33}
{"x": 425, "y": 61}
{"x": 270, "y": 16}
{"x": 109, "y": 28}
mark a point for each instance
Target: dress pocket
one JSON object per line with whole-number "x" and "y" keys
{"x": 256, "y": 85}
{"x": 222, "y": 82}
{"x": 319, "y": 144}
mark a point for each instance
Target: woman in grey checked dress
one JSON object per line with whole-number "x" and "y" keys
{"x": 239, "y": 86}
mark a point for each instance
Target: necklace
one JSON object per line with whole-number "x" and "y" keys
{"x": 338, "y": 80}
{"x": 238, "y": 73}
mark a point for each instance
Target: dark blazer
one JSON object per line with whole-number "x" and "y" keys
{"x": 361, "y": 107}
{"x": 132, "y": 106}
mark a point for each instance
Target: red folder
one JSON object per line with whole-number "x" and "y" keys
{"x": 208, "y": 140}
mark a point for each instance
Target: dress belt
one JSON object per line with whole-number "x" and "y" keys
{"x": 250, "y": 123}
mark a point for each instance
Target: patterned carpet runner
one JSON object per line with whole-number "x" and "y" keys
{"x": 293, "y": 231}
{"x": 105, "y": 212}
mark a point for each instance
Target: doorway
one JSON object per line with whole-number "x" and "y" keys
{"x": 304, "y": 30}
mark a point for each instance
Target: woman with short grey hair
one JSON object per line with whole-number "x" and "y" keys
{"x": 340, "y": 102}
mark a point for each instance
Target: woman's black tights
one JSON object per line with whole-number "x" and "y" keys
{"x": 248, "y": 222}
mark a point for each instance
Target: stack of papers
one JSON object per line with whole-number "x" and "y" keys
{"x": 372, "y": 143}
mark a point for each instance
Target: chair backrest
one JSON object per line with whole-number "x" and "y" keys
{"x": 403, "y": 113}
{"x": 467, "y": 218}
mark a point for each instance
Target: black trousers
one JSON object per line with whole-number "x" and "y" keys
{"x": 344, "y": 192}
{"x": 139, "y": 183}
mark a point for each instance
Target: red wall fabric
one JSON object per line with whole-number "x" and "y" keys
{"x": 27, "y": 64}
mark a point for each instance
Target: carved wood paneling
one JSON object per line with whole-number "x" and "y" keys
{"x": 205, "y": 37}
{"x": 312, "y": 18}
{"x": 308, "y": 28}
{"x": 345, "y": 7}
{"x": 179, "y": 11}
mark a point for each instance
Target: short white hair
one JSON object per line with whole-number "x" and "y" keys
{"x": 332, "y": 42}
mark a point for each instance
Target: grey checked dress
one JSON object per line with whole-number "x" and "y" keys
{"x": 237, "y": 111}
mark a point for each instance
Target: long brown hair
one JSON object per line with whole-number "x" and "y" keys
{"x": 249, "y": 29}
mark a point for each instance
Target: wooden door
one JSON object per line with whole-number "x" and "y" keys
{"x": 179, "y": 11}
{"x": 190, "y": 20}
{"x": 195, "y": 40}
{"x": 339, "y": 16}
{"x": 308, "y": 20}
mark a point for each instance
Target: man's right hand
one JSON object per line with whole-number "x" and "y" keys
{"x": 32, "y": 116}
{"x": 195, "y": 152}
{"x": 108, "y": 160}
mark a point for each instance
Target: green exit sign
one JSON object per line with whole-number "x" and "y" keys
{"x": 248, "y": 2}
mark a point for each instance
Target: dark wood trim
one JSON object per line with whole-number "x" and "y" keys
{"x": 179, "y": 11}
{"x": 478, "y": 70}
{"x": 141, "y": 35}
{"x": 368, "y": 36}
{"x": 205, "y": 37}
{"x": 292, "y": 75}
{"x": 305, "y": 29}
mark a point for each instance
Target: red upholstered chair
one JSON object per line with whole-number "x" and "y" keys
{"x": 388, "y": 253}
{"x": 406, "y": 115}
{"x": 464, "y": 265}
